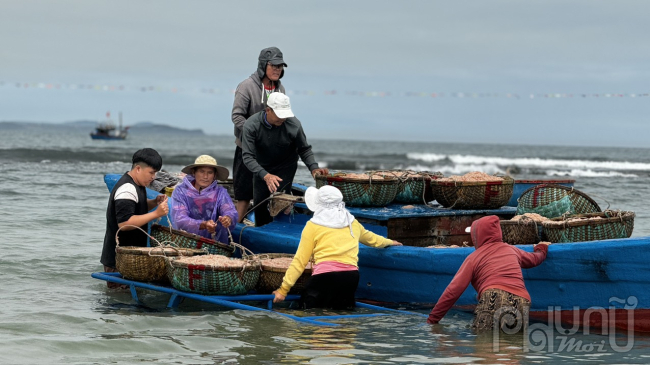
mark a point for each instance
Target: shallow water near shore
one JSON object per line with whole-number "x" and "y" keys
{"x": 54, "y": 200}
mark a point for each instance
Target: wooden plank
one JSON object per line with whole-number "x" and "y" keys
{"x": 430, "y": 226}
{"x": 430, "y": 231}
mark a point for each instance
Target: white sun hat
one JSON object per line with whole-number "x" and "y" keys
{"x": 280, "y": 105}
{"x": 328, "y": 207}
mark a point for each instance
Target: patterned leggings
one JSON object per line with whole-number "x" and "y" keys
{"x": 508, "y": 311}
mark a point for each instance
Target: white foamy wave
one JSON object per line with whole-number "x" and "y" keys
{"x": 458, "y": 169}
{"x": 588, "y": 173}
{"x": 427, "y": 157}
{"x": 531, "y": 162}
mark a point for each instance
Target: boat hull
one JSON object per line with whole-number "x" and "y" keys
{"x": 576, "y": 277}
{"x": 105, "y": 137}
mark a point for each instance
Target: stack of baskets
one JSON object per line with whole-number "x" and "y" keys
{"x": 362, "y": 192}
{"x": 273, "y": 272}
{"x": 552, "y": 200}
{"x": 473, "y": 194}
{"x": 605, "y": 225}
{"x": 184, "y": 239}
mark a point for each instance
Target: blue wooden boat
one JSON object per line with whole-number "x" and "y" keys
{"x": 599, "y": 283}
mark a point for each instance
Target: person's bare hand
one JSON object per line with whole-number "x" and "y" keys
{"x": 278, "y": 297}
{"x": 396, "y": 243}
{"x": 272, "y": 182}
{"x": 160, "y": 198}
{"x": 225, "y": 221}
{"x": 544, "y": 243}
{"x": 162, "y": 208}
{"x": 211, "y": 226}
{"x": 320, "y": 172}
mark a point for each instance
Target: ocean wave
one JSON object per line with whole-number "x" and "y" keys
{"x": 588, "y": 173}
{"x": 457, "y": 169}
{"x": 531, "y": 162}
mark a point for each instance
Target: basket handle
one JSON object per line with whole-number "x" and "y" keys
{"x": 117, "y": 238}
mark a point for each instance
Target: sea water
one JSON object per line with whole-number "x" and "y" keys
{"x": 53, "y": 202}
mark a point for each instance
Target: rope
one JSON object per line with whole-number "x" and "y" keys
{"x": 250, "y": 259}
{"x": 276, "y": 193}
{"x": 600, "y": 197}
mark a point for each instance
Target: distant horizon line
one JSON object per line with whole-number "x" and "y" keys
{"x": 63, "y": 123}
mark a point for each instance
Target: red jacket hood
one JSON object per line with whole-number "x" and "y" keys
{"x": 486, "y": 230}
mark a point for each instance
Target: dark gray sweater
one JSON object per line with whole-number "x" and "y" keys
{"x": 250, "y": 98}
{"x": 267, "y": 149}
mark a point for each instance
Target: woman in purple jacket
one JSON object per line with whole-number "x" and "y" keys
{"x": 200, "y": 205}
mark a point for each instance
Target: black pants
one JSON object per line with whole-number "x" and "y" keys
{"x": 261, "y": 192}
{"x": 242, "y": 178}
{"x": 331, "y": 290}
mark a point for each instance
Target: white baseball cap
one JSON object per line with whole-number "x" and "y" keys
{"x": 280, "y": 105}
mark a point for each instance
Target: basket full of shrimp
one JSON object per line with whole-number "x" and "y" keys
{"x": 214, "y": 274}
{"x": 609, "y": 224}
{"x": 274, "y": 266}
{"x": 474, "y": 190}
{"x": 372, "y": 189}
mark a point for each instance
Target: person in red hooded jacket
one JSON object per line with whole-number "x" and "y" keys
{"x": 494, "y": 270}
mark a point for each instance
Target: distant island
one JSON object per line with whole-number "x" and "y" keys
{"x": 88, "y": 126}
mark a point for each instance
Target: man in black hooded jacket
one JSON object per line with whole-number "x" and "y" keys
{"x": 251, "y": 97}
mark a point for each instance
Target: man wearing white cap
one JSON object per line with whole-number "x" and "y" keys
{"x": 272, "y": 141}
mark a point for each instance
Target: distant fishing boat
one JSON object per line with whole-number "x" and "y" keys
{"x": 108, "y": 130}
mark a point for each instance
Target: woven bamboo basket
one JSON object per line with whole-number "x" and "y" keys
{"x": 184, "y": 239}
{"x": 414, "y": 187}
{"x": 612, "y": 224}
{"x": 521, "y": 232}
{"x": 271, "y": 276}
{"x": 147, "y": 263}
{"x": 551, "y": 201}
{"x": 214, "y": 280}
{"x": 473, "y": 194}
{"x": 362, "y": 192}
{"x": 283, "y": 203}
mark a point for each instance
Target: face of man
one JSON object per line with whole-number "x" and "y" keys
{"x": 273, "y": 72}
{"x": 273, "y": 119}
{"x": 143, "y": 175}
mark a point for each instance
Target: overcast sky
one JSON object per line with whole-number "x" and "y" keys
{"x": 82, "y": 58}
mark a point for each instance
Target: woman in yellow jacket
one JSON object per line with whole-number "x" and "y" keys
{"x": 332, "y": 236}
